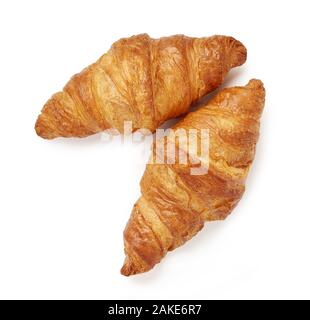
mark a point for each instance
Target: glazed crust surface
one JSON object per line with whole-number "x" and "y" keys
{"x": 142, "y": 80}
{"x": 175, "y": 204}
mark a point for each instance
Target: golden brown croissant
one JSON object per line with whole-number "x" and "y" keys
{"x": 175, "y": 203}
{"x": 142, "y": 80}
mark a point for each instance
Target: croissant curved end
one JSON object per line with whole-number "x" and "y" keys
{"x": 238, "y": 53}
{"x": 255, "y": 84}
{"x": 43, "y": 128}
{"x": 128, "y": 268}
{"x": 133, "y": 263}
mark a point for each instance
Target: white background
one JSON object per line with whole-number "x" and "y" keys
{"x": 64, "y": 203}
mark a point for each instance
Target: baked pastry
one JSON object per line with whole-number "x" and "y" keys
{"x": 142, "y": 80}
{"x": 175, "y": 204}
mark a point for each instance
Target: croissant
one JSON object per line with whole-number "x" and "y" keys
{"x": 142, "y": 80}
{"x": 175, "y": 203}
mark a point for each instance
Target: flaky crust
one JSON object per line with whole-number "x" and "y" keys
{"x": 175, "y": 204}
{"x": 142, "y": 80}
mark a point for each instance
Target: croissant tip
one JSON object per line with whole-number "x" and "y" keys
{"x": 255, "y": 83}
{"x": 257, "y": 86}
{"x": 42, "y": 130}
{"x": 238, "y": 53}
{"x": 38, "y": 127}
{"x": 132, "y": 267}
{"x": 127, "y": 269}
